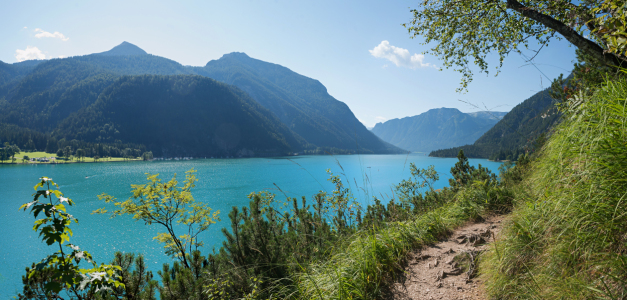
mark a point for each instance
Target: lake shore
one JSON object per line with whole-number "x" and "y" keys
{"x": 53, "y": 159}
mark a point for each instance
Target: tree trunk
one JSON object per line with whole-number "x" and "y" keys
{"x": 587, "y": 46}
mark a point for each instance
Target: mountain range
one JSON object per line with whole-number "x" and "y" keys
{"x": 235, "y": 105}
{"x": 522, "y": 130}
{"x": 436, "y": 129}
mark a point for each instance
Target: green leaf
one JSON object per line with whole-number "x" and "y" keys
{"x": 53, "y": 286}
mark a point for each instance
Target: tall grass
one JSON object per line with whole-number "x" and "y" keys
{"x": 567, "y": 238}
{"x": 364, "y": 268}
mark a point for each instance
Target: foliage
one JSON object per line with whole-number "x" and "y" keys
{"x": 362, "y": 268}
{"x": 316, "y": 251}
{"x": 515, "y": 133}
{"x": 566, "y": 237}
{"x": 8, "y": 151}
{"x": 180, "y": 282}
{"x": 61, "y": 270}
{"x": 289, "y": 249}
{"x": 301, "y": 103}
{"x": 463, "y": 173}
{"x": 275, "y": 113}
{"x": 31, "y": 140}
{"x": 268, "y": 243}
{"x": 227, "y": 121}
{"x": 147, "y": 155}
{"x": 467, "y": 32}
{"x": 170, "y": 206}
{"x": 611, "y": 21}
{"x": 136, "y": 281}
{"x": 422, "y": 178}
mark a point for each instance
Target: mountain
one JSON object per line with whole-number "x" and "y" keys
{"x": 517, "y": 132}
{"x": 52, "y": 91}
{"x": 181, "y": 116}
{"x": 11, "y": 74}
{"x": 43, "y": 96}
{"x": 301, "y": 103}
{"x": 494, "y": 115}
{"x": 436, "y": 129}
{"x": 125, "y": 48}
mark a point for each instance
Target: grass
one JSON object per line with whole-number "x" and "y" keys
{"x": 20, "y": 155}
{"x": 567, "y": 237}
{"x": 370, "y": 261}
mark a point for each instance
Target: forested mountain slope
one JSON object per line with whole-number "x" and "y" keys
{"x": 11, "y": 74}
{"x": 516, "y": 133}
{"x": 38, "y": 95}
{"x": 181, "y": 116}
{"x": 436, "y": 129}
{"x": 51, "y": 92}
{"x": 301, "y": 103}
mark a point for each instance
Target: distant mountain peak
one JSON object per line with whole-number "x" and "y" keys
{"x": 125, "y": 48}
{"x": 235, "y": 54}
{"x": 437, "y": 128}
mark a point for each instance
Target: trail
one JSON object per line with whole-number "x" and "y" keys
{"x": 446, "y": 270}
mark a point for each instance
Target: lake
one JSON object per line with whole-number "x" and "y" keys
{"x": 222, "y": 183}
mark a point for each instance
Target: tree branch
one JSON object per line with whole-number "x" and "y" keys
{"x": 587, "y": 46}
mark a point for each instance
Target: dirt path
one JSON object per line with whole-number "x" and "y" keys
{"x": 445, "y": 270}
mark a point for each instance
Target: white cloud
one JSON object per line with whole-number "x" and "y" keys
{"x": 29, "y": 53}
{"x": 399, "y": 56}
{"x": 25, "y": 27}
{"x": 62, "y": 56}
{"x": 45, "y": 34}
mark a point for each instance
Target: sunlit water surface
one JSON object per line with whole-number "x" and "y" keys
{"x": 222, "y": 183}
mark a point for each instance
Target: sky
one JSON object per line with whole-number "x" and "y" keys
{"x": 358, "y": 49}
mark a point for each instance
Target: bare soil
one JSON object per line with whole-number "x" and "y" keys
{"x": 447, "y": 270}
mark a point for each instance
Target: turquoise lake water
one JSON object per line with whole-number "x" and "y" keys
{"x": 223, "y": 183}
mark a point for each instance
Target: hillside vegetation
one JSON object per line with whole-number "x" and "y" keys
{"x": 516, "y": 133}
{"x": 566, "y": 238}
{"x": 48, "y": 97}
{"x": 301, "y": 103}
{"x": 181, "y": 116}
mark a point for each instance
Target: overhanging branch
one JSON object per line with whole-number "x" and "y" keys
{"x": 587, "y": 46}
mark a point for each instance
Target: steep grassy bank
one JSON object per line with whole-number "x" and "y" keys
{"x": 567, "y": 237}
{"x": 367, "y": 265}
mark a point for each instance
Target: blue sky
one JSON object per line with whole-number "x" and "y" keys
{"x": 346, "y": 45}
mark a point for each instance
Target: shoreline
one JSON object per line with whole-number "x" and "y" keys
{"x": 116, "y": 159}
{"x": 66, "y": 162}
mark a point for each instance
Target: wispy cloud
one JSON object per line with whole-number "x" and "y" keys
{"x": 44, "y": 34}
{"x": 399, "y": 56}
{"x": 29, "y": 53}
